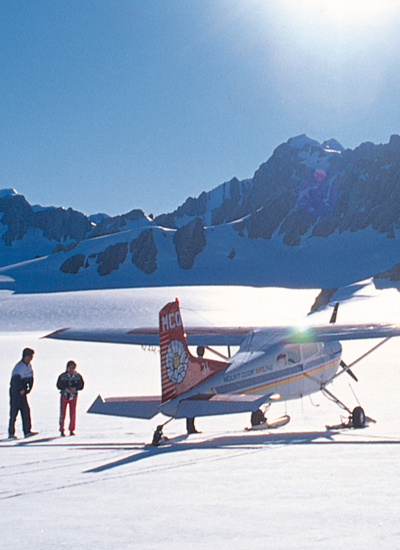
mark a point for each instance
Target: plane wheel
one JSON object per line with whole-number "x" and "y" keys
{"x": 157, "y": 436}
{"x": 358, "y": 417}
{"x": 257, "y": 418}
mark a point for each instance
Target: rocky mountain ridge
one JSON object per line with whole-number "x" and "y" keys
{"x": 307, "y": 205}
{"x": 343, "y": 190}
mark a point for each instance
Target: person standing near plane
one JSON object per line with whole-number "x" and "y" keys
{"x": 69, "y": 383}
{"x": 20, "y": 385}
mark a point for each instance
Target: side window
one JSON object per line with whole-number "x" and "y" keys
{"x": 309, "y": 350}
{"x": 281, "y": 360}
{"x": 293, "y": 355}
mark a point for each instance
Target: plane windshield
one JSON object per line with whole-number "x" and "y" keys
{"x": 258, "y": 340}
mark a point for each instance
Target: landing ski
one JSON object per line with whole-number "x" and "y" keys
{"x": 271, "y": 424}
{"x": 348, "y": 425}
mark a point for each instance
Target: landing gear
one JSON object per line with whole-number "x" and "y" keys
{"x": 257, "y": 418}
{"x": 356, "y": 419}
{"x": 260, "y": 422}
{"x": 158, "y": 437}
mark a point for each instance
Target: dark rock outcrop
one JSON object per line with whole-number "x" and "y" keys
{"x": 73, "y": 264}
{"x": 189, "y": 241}
{"x": 144, "y": 252}
{"x": 111, "y": 258}
{"x": 392, "y": 274}
{"x": 323, "y": 299}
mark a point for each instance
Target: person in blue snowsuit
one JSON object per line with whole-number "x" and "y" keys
{"x": 20, "y": 385}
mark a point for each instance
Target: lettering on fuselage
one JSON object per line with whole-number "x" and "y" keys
{"x": 247, "y": 373}
{"x": 171, "y": 321}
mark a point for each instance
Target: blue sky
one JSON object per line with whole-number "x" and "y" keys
{"x": 107, "y": 106}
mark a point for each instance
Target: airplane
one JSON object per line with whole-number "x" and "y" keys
{"x": 272, "y": 364}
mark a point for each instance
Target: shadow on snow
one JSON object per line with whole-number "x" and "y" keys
{"x": 239, "y": 442}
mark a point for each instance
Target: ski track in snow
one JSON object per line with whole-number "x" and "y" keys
{"x": 108, "y": 462}
{"x": 301, "y": 486}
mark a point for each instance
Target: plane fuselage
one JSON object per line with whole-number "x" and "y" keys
{"x": 292, "y": 371}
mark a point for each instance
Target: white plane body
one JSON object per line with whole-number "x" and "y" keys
{"x": 272, "y": 363}
{"x": 281, "y": 372}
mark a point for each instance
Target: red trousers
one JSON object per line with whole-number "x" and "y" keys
{"x": 72, "y": 412}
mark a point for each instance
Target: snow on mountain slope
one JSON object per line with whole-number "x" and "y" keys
{"x": 312, "y": 215}
{"x": 107, "y": 262}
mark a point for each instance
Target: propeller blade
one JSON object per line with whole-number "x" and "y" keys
{"x": 349, "y": 372}
{"x": 334, "y": 314}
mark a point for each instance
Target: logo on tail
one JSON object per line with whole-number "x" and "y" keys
{"x": 176, "y": 362}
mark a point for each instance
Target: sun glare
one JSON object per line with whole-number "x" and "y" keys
{"x": 348, "y": 13}
{"x": 339, "y": 28}
{"x": 359, "y": 21}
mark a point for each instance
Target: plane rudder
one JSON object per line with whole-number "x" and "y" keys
{"x": 173, "y": 349}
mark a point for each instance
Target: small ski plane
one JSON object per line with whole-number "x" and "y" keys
{"x": 272, "y": 364}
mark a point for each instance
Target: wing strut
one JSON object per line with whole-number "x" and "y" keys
{"x": 225, "y": 357}
{"x": 346, "y": 368}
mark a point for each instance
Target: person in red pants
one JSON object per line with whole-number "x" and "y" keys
{"x": 69, "y": 383}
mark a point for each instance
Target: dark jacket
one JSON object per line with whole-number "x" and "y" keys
{"x": 21, "y": 378}
{"x": 74, "y": 381}
{"x": 18, "y": 384}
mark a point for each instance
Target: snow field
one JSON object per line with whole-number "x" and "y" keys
{"x": 298, "y": 487}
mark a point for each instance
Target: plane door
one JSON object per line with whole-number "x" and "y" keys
{"x": 290, "y": 365}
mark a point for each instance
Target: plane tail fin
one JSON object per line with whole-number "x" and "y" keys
{"x": 180, "y": 370}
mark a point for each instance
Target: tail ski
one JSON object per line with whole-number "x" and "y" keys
{"x": 180, "y": 370}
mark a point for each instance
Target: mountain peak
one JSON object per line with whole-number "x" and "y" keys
{"x": 299, "y": 142}
{"x": 333, "y": 145}
{"x": 7, "y": 193}
{"x": 302, "y": 141}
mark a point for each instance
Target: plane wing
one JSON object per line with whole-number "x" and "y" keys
{"x": 333, "y": 332}
{"x": 134, "y": 407}
{"x": 261, "y": 338}
{"x": 195, "y": 336}
{"x": 249, "y": 338}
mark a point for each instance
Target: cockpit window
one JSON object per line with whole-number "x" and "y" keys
{"x": 281, "y": 360}
{"x": 293, "y": 355}
{"x": 309, "y": 350}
